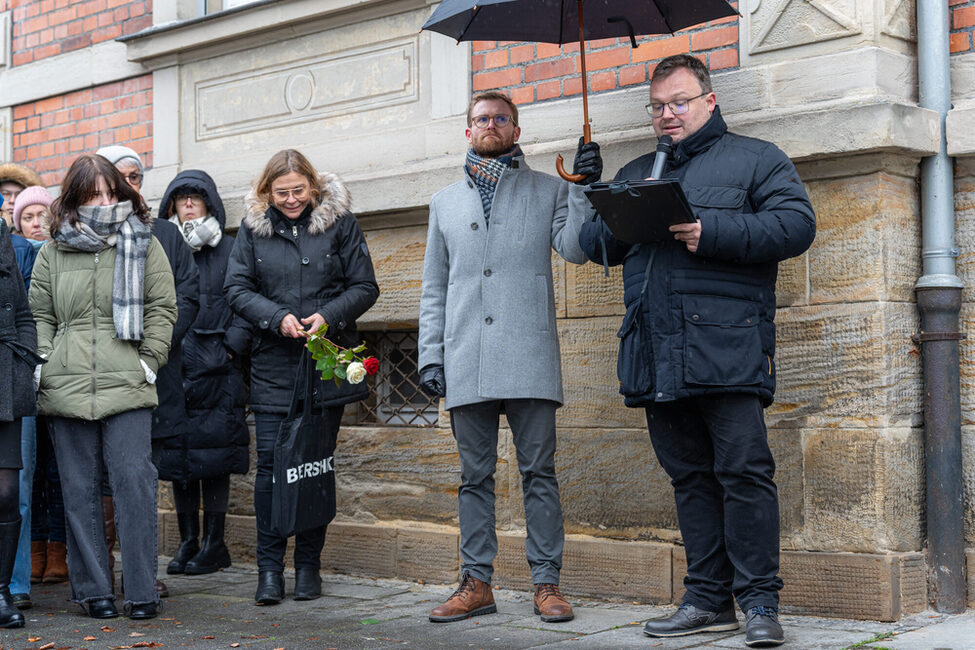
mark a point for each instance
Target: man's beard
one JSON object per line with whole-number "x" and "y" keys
{"x": 492, "y": 148}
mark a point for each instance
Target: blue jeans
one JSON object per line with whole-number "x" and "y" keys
{"x": 20, "y": 580}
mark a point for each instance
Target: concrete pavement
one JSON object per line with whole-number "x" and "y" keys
{"x": 217, "y": 611}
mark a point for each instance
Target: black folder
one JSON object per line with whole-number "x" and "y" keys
{"x": 639, "y": 212}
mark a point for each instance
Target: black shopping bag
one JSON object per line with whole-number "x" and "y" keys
{"x": 303, "y": 495}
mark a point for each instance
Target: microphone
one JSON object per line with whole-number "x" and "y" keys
{"x": 664, "y": 147}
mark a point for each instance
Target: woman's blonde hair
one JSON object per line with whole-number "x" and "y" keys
{"x": 284, "y": 162}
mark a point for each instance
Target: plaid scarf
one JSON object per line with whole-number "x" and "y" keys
{"x": 485, "y": 172}
{"x": 200, "y": 232}
{"x": 103, "y": 226}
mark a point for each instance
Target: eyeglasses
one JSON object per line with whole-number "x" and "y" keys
{"x": 196, "y": 199}
{"x": 678, "y": 107}
{"x": 501, "y": 120}
{"x": 300, "y": 193}
{"x": 134, "y": 178}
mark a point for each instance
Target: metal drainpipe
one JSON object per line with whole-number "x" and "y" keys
{"x": 939, "y": 302}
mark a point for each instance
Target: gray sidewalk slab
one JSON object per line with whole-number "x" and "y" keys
{"x": 217, "y": 611}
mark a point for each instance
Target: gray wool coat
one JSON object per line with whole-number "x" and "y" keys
{"x": 487, "y": 308}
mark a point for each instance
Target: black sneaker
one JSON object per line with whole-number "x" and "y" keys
{"x": 688, "y": 619}
{"x": 762, "y": 629}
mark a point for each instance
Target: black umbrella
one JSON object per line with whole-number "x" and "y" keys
{"x": 564, "y": 21}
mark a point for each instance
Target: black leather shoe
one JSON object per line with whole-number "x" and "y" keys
{"x": 270, "y": 588}
{"x": 146, "y": 610}
{"x": 762, "y": 629}
{"x": 308, "y": 584}
{"x": 21, "y": 601}
{"x": 102, "y": 608}
{"x": 688, "y": 619}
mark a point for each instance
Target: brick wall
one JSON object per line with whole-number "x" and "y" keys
{"x": 535, "y": 72}
{"x": 50, "y": 133}
{"x": 45, "y": 28}
{"x": 962, "y": 36}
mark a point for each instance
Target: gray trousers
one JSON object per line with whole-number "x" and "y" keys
{"x": 475, "y": 428}
{"x": 121, "y": 445}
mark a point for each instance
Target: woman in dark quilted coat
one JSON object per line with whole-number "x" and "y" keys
{"x": 213, "y": 444}
{"x": 18, "y": 348}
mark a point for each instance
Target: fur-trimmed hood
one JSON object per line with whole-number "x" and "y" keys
{"x": 19, "y": 174}
{"x": 334, "y": 202}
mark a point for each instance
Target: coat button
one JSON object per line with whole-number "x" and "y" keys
{"x": 473, "y": 226}
{"x": 8, "y": 306}
{"x": 259, "y": 260}
{"x": 695, "y": 317}
{"x": 304, "y": 260}
{"x": 488, "y": 320}
{"x": 659, "y": 395}
{"x": 487, "y": 273}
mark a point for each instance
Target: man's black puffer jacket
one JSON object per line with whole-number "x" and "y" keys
{"x": 706, "y": 324}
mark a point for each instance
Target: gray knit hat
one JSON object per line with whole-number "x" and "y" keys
{"x": 117, "y": 153}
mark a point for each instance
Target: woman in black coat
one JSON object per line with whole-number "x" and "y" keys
{"x": 213, "y": 443}
{"x": 18, "y": 357}
{"x": 300, "y": 260}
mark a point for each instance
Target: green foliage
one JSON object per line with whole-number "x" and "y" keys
{"x": 332, "y": 360}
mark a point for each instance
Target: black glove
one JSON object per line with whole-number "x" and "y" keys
{"x": 432, "y": 381}
{"x": 588, "y": 162}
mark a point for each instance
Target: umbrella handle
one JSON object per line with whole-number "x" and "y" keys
{"x": 560, "y": 168}
{"x": 560, "y": 163}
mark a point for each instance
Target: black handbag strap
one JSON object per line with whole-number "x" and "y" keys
{"x": 303, "y": 390}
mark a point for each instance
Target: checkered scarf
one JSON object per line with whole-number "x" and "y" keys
{"x": 485, "y": 172}
{"x": 199, "y": 232}
{"x": 103, "y": 226}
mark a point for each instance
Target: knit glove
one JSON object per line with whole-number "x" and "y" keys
{"x": 150, "y": 375}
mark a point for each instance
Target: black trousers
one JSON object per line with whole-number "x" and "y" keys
{"x": 716, "y": 452}
{"x": 270, "y": 546}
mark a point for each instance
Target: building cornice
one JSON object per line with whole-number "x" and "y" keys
{"x": 253, "y": 25}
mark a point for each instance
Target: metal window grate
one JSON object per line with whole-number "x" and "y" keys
{"x": 396, "y": 399}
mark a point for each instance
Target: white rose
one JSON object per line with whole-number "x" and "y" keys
{"x": 355, "y": 373}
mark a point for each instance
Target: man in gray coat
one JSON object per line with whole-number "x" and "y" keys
{"x": 489, "y": 343}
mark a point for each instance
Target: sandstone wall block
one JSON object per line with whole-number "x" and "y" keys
{"x": 863, "y": 490}
{"x": 867, "y": 244}
{"x": 850, "y": 365}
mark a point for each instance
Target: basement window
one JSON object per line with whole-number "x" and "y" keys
{"x": 396, "y": 399}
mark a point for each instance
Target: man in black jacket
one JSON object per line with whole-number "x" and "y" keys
{"x": 697, "y": 346}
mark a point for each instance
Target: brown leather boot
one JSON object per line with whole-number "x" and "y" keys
{"x": 108, "y": 512}
{"x": 57, "y": 566}
{"x": 551, "y": 605}
{"x": 38, "y": 561}
{"x": 472, "y": 598}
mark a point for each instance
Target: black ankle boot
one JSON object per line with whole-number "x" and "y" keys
{"x": 308, "y": 583}
{"x": 10, "y": 616}
{"x": 213, "y": 554}
{"x": 189, "y": 530}
{"x": 270, "y": 588}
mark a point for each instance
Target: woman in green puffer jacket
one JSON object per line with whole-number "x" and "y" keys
{"x": 103, "y": 298}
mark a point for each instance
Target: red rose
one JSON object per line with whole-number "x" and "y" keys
{"x": 372, "y": 365}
